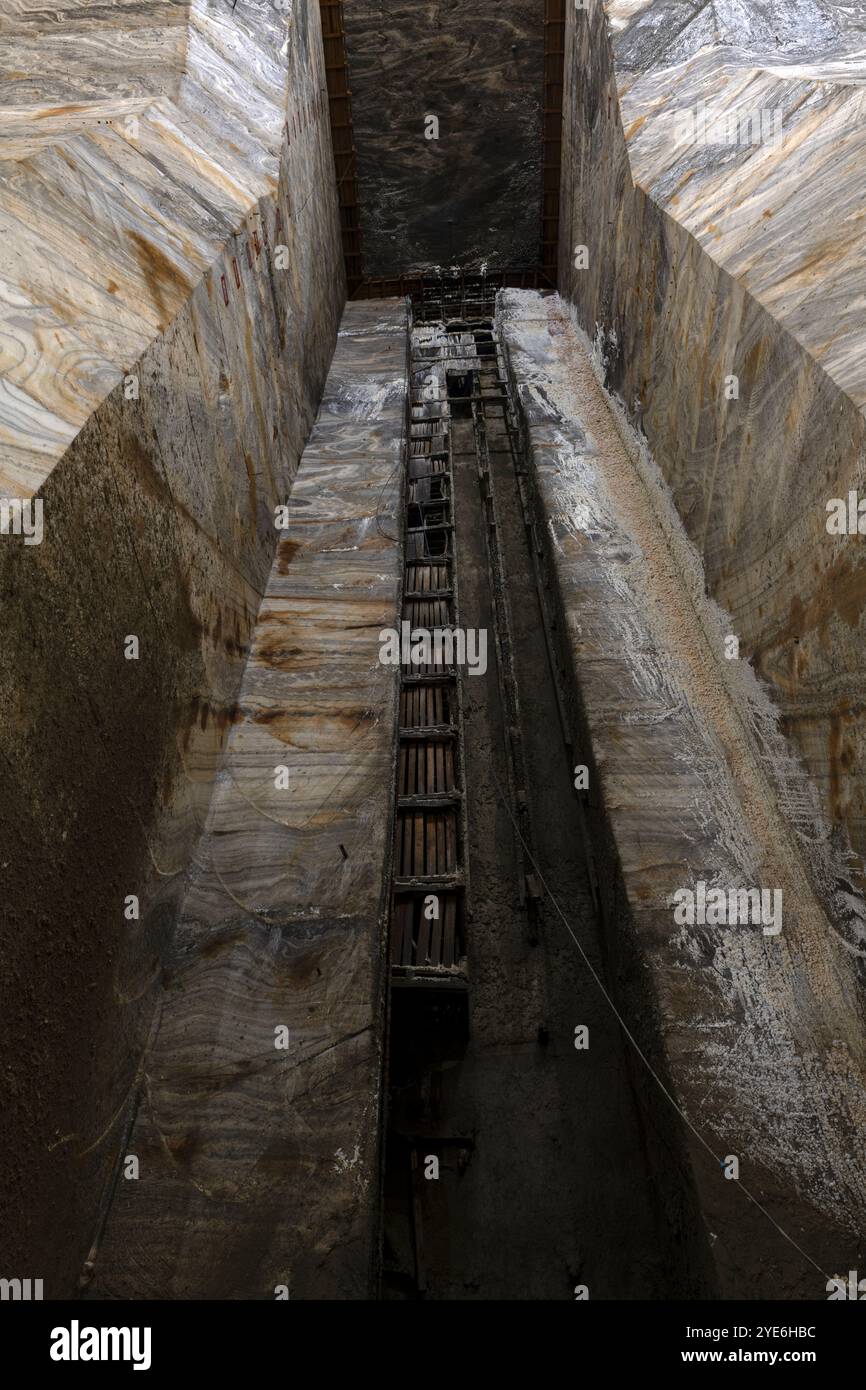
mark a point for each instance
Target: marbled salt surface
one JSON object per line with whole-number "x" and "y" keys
{"x": 763, "y": 1037}
{"x": 259, "y": 1166}
{"x": 135, "y": 140}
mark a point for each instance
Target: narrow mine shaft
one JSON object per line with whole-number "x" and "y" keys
{"x": 486, "y": 1087}
{"x": 432, "y": 719}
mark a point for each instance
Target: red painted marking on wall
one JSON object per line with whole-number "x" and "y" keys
{"x": 224, "y": 284}
{"x": 256, "y": 243}
{"x": 237, "y": 272}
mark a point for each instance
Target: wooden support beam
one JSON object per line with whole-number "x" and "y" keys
{"x": 551, "y": 105}
{"x": 342, "y": 140}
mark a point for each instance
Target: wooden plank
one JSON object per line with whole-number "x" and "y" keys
{"x": 436, "y": 938}
{"x": 451, "y": 841}
{"x": 449, "y": 931}
{"x": 408, "y": 937}
{"x": 406, "y": 847}
{"x": 422, "y": 953}
{"x": 441, "y": 845}
{"x": 418, "y": 866}
{"x": 396, "y": 933}
{"x": 431, "y": 863}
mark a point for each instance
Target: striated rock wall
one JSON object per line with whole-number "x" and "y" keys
{"x": 755, "y": 1036}
{"x": 81, "y": 63}
{"x": 161, "y": 369}
{"x": 259, "y": 1162}
{"x": 712, "y": 260}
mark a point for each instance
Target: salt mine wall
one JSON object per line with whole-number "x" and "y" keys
{"x": 228, "y": 1038}
{"x": 712, "y": 270}
{"x": 749, "y": 1043}
{"x": 258, "y": 1113}
{"x": 175, "y": 287}
{"x": 439, "y": 89}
